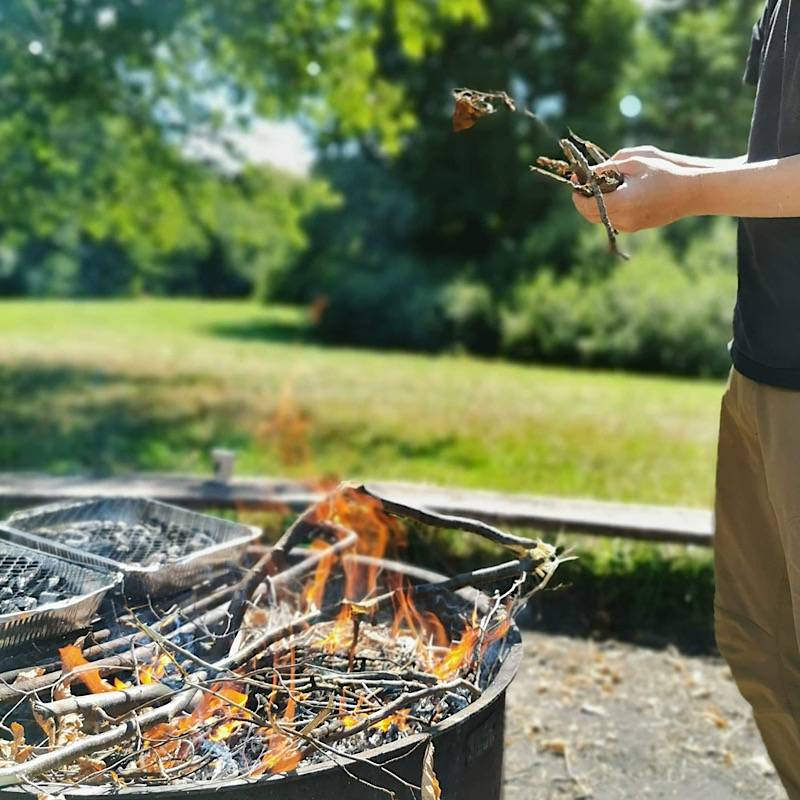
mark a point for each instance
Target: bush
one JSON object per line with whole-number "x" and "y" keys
{"x": 472, "y": 317}
{"x": 651, "y": 313}
{"x": 397, "y": 307}
{"x": 546, "y": 320}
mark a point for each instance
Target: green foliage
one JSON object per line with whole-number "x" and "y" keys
{"x": 472, "y": 317}
{"x": 395, "y": 308}
{"x": 99, "y": 103}
{"x": 688, "y": 72}
{"x": 654, "y": 313}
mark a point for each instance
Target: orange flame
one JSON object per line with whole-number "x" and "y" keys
{"x": 222, "y": 710}
{"x": 357, "y": 512}
{"x": 460, "y": 655}
{"x": 315, "y": 590}
{"x": 72, "y": 658}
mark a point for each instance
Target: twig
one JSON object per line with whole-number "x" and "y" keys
{"x": 516, "y": 544}
{"x": 38, "y": 765}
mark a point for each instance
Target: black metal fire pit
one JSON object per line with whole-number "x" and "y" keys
{"x": 468, "y": 759}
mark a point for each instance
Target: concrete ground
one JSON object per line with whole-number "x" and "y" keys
{"x": 612, "y": 721}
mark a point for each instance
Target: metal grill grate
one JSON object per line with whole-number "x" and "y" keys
{"x": 41, "y": 595}
{"x": 150, "y": 543}
{"x": 159, "y": 548}
{"x": 25, "y": 583}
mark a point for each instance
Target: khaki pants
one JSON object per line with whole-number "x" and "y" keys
{"x": 757, "y": 561}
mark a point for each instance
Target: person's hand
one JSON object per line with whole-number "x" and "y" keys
{"x": 655, "y": 192}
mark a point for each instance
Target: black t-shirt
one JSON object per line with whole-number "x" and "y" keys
{"x": 766, "y": 321}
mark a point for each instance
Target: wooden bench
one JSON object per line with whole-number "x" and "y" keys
{"x": 550, "y": 514}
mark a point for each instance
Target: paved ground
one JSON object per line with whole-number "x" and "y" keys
{"x": 612, "y": 721}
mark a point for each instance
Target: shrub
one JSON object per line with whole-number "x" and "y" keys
{"x": 650, "y": 313}
{"x": 391, "y": 308}
{"x": 546, "y": 320}
{"x": 472, "y": 317}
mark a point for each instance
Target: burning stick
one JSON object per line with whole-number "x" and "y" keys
{"x": 542, "y": 553}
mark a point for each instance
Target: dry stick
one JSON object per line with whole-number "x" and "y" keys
{"x": 598, "y": 196}
{"x": 21, "y": 773}
{"x": 271, "y": 562}
{"x": 136, "y": 695}
{"x": 400, "y": 702}
{"x": 590, "y": 179}
{"x": 516, "y": 544}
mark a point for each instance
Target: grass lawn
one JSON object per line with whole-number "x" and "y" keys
{"x": 152, "y": 385}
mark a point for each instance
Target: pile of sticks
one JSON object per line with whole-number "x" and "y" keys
{"x": 298, "y": 661}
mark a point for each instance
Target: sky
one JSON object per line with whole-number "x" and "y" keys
{"x": 281, "y": 144}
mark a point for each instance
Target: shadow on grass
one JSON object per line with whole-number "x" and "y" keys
{"x": 258, "y": 330}
{"x": 67, "y": 420}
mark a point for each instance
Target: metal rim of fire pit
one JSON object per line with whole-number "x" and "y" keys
{"x": 385, "y": 753}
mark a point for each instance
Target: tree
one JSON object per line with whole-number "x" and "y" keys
{"x": 98, "y": 99}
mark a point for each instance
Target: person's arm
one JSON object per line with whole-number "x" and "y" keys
{"x": 679, "y": 159}
{"x": 657, "y": 192}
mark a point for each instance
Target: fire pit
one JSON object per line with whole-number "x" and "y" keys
{"x": 322, "y": 674}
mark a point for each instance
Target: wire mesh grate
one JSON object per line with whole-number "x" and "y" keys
{"x": 42, "y": 595}
{"x": 145, "y": 544}
{"x": 159, "y": 548}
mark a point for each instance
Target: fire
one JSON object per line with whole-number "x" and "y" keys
{"x": 341, "y": 635}
{"x": 284, "y": 754}
{"x": 72, "y": 658}
{"x": 376, "y": 531}
{"x": 315, "y": 591}
{"x": 153, "y": 673}
{"x": 222, "y": 710}
{"x": 459, "y": 655}
{"x": 400, "y": 720}
{"x": 462, "y": 655}
{"x": 424, "y": 626}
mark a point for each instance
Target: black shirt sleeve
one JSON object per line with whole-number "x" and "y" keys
{"x": 757, "y": 45}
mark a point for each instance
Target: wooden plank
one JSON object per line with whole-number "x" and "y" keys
{"x": 551, "y": 514}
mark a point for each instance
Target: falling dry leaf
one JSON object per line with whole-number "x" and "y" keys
{"x": 471, "y": 105}
{"x": 430, "y": 784}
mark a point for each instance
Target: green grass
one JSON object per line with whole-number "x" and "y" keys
{"x": 109, "y": 387}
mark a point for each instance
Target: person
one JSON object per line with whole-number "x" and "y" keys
{"x": 757, "y": 503}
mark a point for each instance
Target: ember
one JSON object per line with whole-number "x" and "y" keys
{"x": 303, "y": 661}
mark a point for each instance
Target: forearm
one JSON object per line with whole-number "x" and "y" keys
{"x": 697, "y": 162}
{"x": 711, "y": 163}
{"x": 763, "y": 189}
